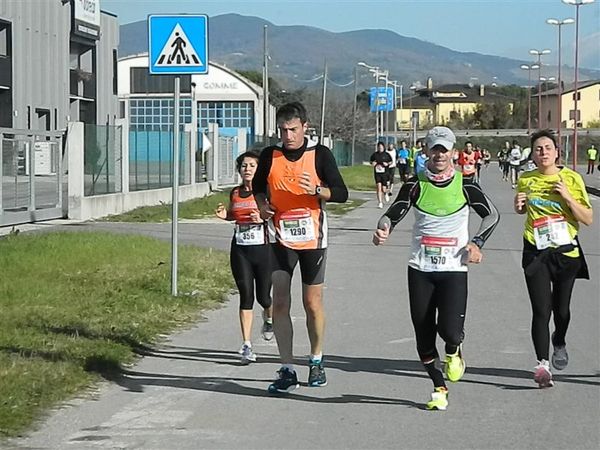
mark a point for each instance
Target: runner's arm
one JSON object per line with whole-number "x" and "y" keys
{"x": 335, "y": 189}
{"x": 398, "y": 210}
{"x": 484, "y": 208}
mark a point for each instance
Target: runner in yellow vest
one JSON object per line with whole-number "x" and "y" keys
{"x": 592, "y": 155}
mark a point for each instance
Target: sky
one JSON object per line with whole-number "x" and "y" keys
{"x": 495, "y": 27}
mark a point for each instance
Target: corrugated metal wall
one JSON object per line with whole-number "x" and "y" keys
{"x": 41, "y": 41}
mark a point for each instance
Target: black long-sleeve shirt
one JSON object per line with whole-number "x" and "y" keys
{"x": 476, "y": 199}
{"x": 325, "y": 166}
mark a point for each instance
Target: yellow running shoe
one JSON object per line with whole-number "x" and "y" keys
{"x": 439, "y": 399}
{"x": 455, "y": 366}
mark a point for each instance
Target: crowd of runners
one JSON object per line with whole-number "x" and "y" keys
{"x": 281, "y": 221}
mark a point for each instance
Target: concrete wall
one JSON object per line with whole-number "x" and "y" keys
{"x": 81, "y": 207}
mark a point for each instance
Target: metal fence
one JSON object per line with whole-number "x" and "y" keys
{"x": 102, "y": 159}
{"x": 31, "y": 185}
{"x": 151, "y": 159}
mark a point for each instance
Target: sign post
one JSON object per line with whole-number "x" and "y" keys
{"x": 178, "y": 45}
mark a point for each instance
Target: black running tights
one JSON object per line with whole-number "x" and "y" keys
{"x": 550, "y": 295}
{"x": 444, "y": 293}
{"x": 251, "y": 265}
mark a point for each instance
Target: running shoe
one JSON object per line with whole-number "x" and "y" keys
{"x": 380, "y": 205}
{"x": 439, "y": 399}
{"x": 560, "y": 357}
{"x": 316, "y": 376}
{"x": 387, "y": 197}
{"x": 248, "y": 355}
{"x": 455, "y": 365}
{"x": 286, "y": 382}
{"x": 542, "y": 375}
{"x": 267, "y": 330}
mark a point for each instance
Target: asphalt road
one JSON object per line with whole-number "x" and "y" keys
{"x": 192, "y": 393}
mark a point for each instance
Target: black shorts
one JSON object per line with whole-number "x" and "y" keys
{"x": 391, "y": 172}
{"x": 312, "y": 263}
{"x": 381, "y": 177}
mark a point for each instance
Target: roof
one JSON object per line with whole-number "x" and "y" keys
{"x": 571, "y": 87}
{"x": 455, "y": 93}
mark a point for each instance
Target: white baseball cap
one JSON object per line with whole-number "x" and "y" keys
{"x": 440, "y": 136}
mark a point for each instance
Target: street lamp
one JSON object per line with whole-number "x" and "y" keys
{"x": 559, "y": 24}
{"x": 577, "y": 4}
{"x": 396, "y": 86}
{"x": 373, "y": 68}
{"x": 529, "y": 69}
{"x": 547, "y": 80}
{"x": 539, "y": 54}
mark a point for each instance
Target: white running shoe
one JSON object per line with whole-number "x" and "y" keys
{"x": 542, "y": 375}
{"x": 248, "y": 355}
{"x": 380, "y": 205}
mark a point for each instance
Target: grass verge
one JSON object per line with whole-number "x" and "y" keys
{"x": 197, "y": 208}
{"x": 78, "y": 306}
{"x": 358, "y": 178}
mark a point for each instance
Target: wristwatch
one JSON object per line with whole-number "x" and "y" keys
{"x": 318, "y": 190}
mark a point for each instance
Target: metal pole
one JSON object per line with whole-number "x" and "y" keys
{"x": 175, "y": 182}
{"x": 559, "y": 108}
{"x": 401, "y": 109}
{"x": 323, "y": 103}
{"x": 387, "y": 110}
{"x": 266, "y": 114}
{"x": 354, "y": 115}
{"x": 529, "y": 103}
{"x": 539, "y": 92}
{"x": 575, "y": 86}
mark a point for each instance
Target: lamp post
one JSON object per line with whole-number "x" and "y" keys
{"x": 559, "y": 24}
{"x": 577, "y": 4}
{"x": 354, "y": 115}
{"x": 395, "y": 84}
{"x": 547, "y": 80}
{"x": 371, "y": 68}
{"x": 529, "y": 68}
{"x": 539, "y": 54}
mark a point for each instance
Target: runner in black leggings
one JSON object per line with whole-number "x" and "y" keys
{"x": 555, "y": 201}
{"x": 440, "y": 251}
{"x": 250, "y": 254}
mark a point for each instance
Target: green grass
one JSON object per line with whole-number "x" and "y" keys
{"x": 358, "y": 178}
{"x": 197, "y": 208}
{"x": 339, "y": 209}
{"x": 78, "y": 306}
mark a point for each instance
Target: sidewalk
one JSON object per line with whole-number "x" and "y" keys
{"x": 191, "y": 392}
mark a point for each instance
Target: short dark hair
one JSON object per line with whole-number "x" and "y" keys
{"x": 543, "y": 133}
{"x": 290, "y": 111}
{"x": 468, "y": 142}
{"x": 240, "y": 159}
{"x": 381, "y": 143}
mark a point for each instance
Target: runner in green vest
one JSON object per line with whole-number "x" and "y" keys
{"x": 440, "y": 252}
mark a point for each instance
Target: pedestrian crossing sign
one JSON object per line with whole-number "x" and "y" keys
{"x": 178, "y": 45}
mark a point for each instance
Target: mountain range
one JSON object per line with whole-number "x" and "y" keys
{"x": 297, "y": 54}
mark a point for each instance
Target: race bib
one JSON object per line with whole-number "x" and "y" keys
{"x": 401, "y": 160}
{"x": 438, "y": 253}
{"x": 249, "y": 234}
{"x": 297, "y": 226}
{"x": 379, "y": 169}
{"x": 551, "y": 231}
{"x": 468, "y": 167}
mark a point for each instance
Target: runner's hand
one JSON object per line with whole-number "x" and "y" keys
{"x": 381, "y": 234}
{"x": 306, "y": 184}
{"x": 561, "y": 188}
{"x": 474, "y": 253}
{"x": 520, "y": 201}
{"x": 255, "y": 217}
{"x": 265, "y": 211}
{"x": 221, "y": 211}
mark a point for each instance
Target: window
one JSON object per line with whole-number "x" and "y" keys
{"x": 115, "y": 72}
{"x": 578, "y": 95}
{"x": 5, "y": 42}
{"x": 144, "y": 83}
